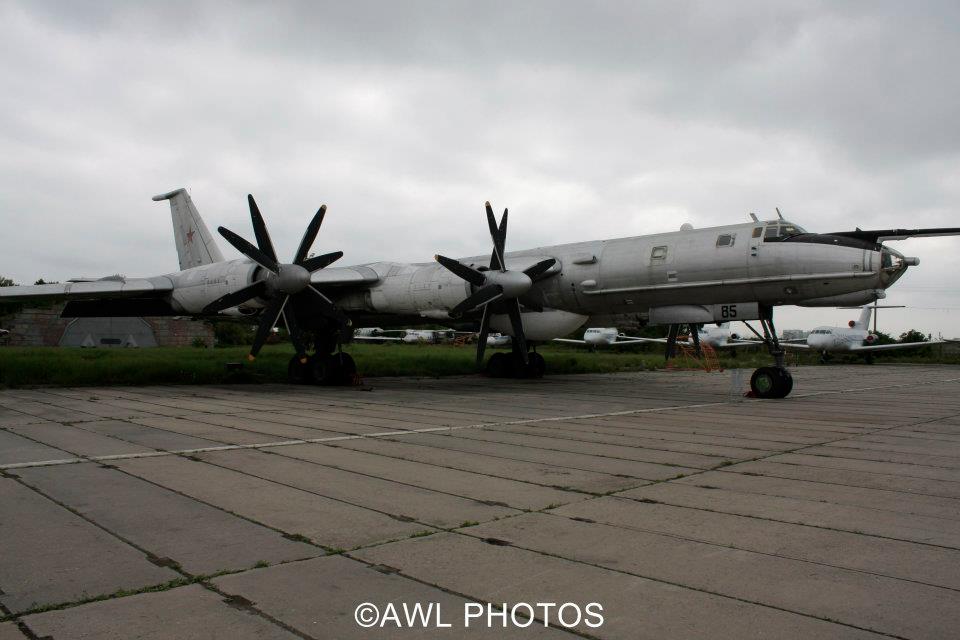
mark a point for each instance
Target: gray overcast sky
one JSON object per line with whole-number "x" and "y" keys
{"x": 587, "y": 120}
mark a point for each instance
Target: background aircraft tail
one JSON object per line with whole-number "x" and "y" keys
{"x": 195, "y": 245}
{"x": 864, "y": 321}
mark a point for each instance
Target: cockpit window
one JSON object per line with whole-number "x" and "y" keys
{"x": 775, "y": 231}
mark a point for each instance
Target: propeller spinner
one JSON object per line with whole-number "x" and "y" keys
{"x": 499, "y": 290}
{"x": 285, "y": 285}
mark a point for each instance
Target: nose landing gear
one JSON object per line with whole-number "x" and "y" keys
{"x": 775, "y": 381}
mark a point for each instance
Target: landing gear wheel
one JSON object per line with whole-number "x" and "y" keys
{"x": 786, "y": 382}
{"x": 498, "y": 366}
{"x": 771, "y": 382}
{"x": 333, "y": 369}
{"x": 299, "y": 372}
{"x": 347, "y": 367}
{"x": 537, "y": 366}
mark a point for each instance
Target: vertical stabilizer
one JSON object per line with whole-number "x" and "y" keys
{"x": 864, "y": 321}
{"x": 195, "y": 245}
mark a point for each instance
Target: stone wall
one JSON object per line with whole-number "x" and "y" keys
{"x": 43, "y": 327}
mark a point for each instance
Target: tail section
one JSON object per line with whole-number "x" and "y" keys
{"x": 195, "y": 245}
{"x": 864, "y": 321}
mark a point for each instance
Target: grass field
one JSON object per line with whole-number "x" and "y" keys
{"x": 62, "y": 366}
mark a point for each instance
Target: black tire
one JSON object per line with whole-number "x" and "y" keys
{"x": 324, "y": 369}
{"x": 764, "y": 382}
{"x": 498, "y": 366}
{"x": 346, "y": 366}
{"x": 333, "y": 369}
{"x": 299, "y": 372}
{"x": 771, "y": 382}
{"x": 537, "y": 366}
{"x": 785, "y": 384}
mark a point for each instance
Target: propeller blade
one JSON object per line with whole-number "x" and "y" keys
{"x": 296, "y": 335}
{"x": 482, "y": 337}
{"x": 255, "y": 290}
{"x": 260, "y": 229}
{"x": 267, "y": 321}
{"x": 328, "y": 308}
{"x": 309, "y": 236}
{"x": 249, "y": 250}
{"x": 472, "y": 276}
{"x": 496, "y": 260}
{"x": 484, "y": 295}
{"x": 536, "y": 271}
{"x": 319, "y": 262}
{"x": 516, "y": 321}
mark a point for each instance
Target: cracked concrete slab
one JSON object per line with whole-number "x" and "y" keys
{"x": 185, "y": 612}
{"x": 328, "y": 522}
{"x": 200, "y": 538}
{"x": 318, "y": 598}
{"x": 894, "y": 558}
{"x": 51, "y": 555}
{"x": 853, "y": 598}
{"x": 633, "y": 607}
{"x": 406, "y": 502}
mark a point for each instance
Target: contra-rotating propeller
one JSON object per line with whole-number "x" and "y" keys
{"x": 499, "y": 290}
{"x": 284, "y": 285}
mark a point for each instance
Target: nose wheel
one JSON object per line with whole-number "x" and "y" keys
{"x": 771, "y": 382}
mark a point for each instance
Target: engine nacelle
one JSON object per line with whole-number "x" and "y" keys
{"x": 546, "y": 325}
{"x": 870, "y": 339}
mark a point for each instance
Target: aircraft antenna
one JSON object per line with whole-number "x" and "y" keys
{"x": 754, "y": 216}
{"x": 779, "y": 215}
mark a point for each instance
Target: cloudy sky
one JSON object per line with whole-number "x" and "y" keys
{"x": 588, "y": 120}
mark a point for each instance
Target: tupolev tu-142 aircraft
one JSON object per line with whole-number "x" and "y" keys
{"x": 691, "y": 276}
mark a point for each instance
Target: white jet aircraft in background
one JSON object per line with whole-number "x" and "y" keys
{"x": 854, "y": 338}
{"x": 716, "y": 336}
{"x": 605, "y": 337}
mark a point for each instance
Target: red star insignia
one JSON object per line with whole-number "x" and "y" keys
{"x": 190, "y": 236}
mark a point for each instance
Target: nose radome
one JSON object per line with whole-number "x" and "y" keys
{"x": 292, "y": 278}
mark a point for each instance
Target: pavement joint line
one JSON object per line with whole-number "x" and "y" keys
{"x": 686, "y": 586}
{"x": 678, "y": 536}
{"x": 381, "y": 434}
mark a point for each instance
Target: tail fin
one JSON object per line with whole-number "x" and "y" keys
{"x": 864, "y": 321}
{"x": 195, "y": 245}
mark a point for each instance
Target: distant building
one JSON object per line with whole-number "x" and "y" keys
{"x": 43, "y": 327}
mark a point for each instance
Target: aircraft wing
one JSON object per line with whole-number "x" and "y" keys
{"x": 90, "y": 290}
{"x": 637, "y": 340}
{"x": 377, "y": 338}
{"x": 895, "y": 345}
{"x": 569, "y": 341}
{"x": 789, "y": 345}
{"x": 879, "y": 235}
{"x": 344, "y": 276}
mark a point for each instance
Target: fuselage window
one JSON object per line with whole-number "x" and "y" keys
{"x": 726, "y": 240}
{"x": 757, "y": 232}
{"x": 658, "y": 255}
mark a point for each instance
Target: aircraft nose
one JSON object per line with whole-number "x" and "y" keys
{"x": 893, "y": 264}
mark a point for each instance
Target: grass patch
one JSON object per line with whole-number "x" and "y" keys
{"x": 70, "y": 366}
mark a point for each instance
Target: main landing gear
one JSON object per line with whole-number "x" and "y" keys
{"x": 511, "y": 365}
{"x": 775, "y": 381}
{"x": 329, "y": 366}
